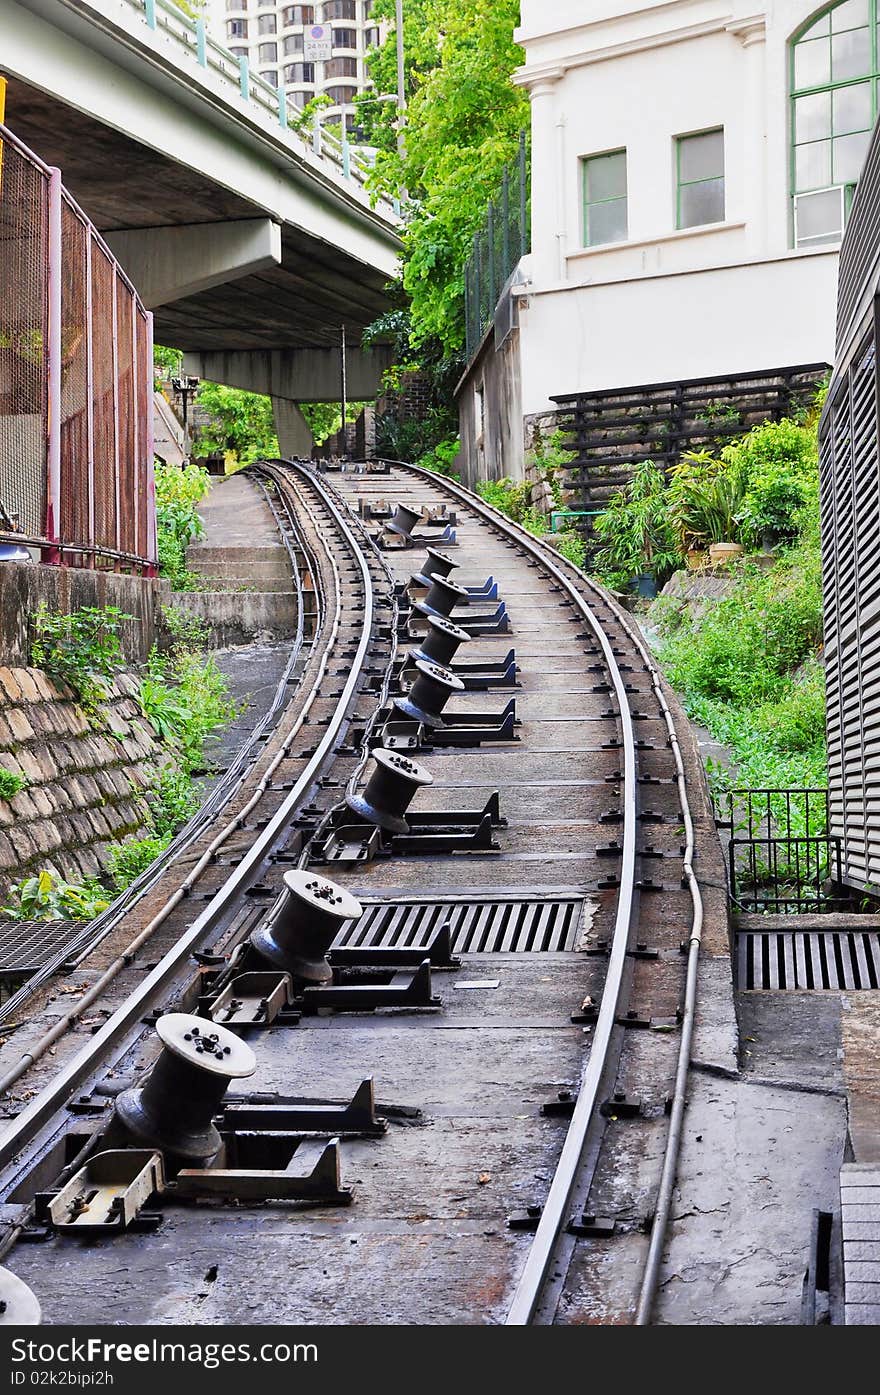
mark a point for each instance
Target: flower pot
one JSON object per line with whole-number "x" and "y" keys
{"x": 695, "y": 559}
{"x": 644, "y": 585}
{"x": 721, "y": 554}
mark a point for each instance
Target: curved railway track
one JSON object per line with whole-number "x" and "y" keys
{"x": 528, "y": 1159}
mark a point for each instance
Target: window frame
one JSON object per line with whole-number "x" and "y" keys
{"x": 587, "y": 203}
{"x": 689, "y": 183}
{"x": 795, "y": 93}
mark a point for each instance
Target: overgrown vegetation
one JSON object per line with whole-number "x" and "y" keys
{"x": 82, "y": 648}
{"x": 240, "y": 425}
{"x": 756, "y": 492}
{"x": 178, "y": 492}
{"x": 10, "y": 783}
{"x": 47, "y": 897}
{"x": 749, "y": 668}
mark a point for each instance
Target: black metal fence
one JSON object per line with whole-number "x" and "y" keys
{"x": 498, "y": 246}
{"x": 781, "y": 859}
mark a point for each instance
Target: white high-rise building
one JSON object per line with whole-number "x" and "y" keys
{"x": 270, "y": 35}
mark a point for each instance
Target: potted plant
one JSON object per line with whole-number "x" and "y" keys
{"x": 705, "y": 494}
{"x": 639, "y": 548}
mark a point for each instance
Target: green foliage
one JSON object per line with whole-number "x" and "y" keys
{"x": 178, "y": 491}
{"x": 240, "y": 422}
{"x": 635, "y": 530}
{"x": 186, "y": 697}
{"x": 47, "y": 897}
{"x": 173, "y": 801}
{"x": 441, "y": 457}
{"x": 166, "y": 362}
{"x": 10, "y": 784}
{"x": 82, "y": 649}
{"x": 325, "y": 418}
{"x": 463, "y": 120}
{"x": 572, "y": 547}
{"x": 703, "y": 498}
{"x": 779, "y": 465}
{"x": 127, "y": 860}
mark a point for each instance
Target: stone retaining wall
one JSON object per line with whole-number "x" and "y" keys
{"x": 86, "y": 777}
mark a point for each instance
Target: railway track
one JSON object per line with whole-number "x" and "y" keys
{"x": 517, "y": 974}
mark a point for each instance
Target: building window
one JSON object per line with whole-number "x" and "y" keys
{"x": 834, "y": 74}
{"x": 371, "y": 37}
{"x": 341, "y": 96}
{"x": 300, "y": 99}
{"x": 236, "y": 29}
{"x": 340, "y": 9}
{"x": 270, "y": 76}
{"x": 340, "y": 68}
{"x": 345, "y": 38}
{"x": 604, "y": 182}
{"x": 267, "y": 53}
{"x": 299, "y": 72}
{"x": 299, "y": 14}
{"x": 700, "y": 179}
{"x": 266, "y": 24}
{"x": 293, "y": 44}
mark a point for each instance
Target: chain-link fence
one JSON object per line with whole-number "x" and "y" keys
{"x": 75, "y": 380}
{"x": 498, "y": 246}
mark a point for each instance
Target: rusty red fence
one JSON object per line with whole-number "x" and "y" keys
{"x": 76, "y": 380}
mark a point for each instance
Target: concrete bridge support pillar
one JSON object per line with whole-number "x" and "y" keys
{"x": 298, "y": 375}
{"x": 293, "y": 431}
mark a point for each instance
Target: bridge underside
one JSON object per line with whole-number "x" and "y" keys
{"x": 294, "y": 304}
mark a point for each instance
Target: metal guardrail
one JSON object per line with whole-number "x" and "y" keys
{"x": 781, "y": 859}
{"x": 76, "y": 380}
{"x": 498, "y": 246}
{"x": 193, "y": 37}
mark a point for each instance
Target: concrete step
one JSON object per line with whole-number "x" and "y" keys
{"x": 207, "y": 552}
{"x": 247, "y": 583}
{"x": 241, "y": 565}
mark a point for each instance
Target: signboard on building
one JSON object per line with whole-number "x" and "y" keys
{"x": 316, "y": 43}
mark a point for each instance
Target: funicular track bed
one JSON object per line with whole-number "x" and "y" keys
{"x": 474, "y": 1081}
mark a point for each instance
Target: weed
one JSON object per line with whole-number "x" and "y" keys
{"x": 82, "y": 649}
{"x": 47, "y": 897}
{"x": 10, "y": 784}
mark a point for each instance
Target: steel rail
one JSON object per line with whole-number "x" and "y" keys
{"x": 40, "y": 1109}
{"x": 220, "y": 796}
{"x": 528, "y": 1290}
{"x": 554, "y": 1214}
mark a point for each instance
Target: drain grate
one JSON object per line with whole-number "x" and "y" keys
{"x": 518, "y": 926}
{"x": 26, "y": 945}
{"x": 801, "y": 959}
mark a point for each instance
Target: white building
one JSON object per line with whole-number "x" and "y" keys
{"x": 270, "y": 35}
{"x": 693, "y": 162}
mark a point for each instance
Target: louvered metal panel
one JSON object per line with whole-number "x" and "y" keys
{"x": 850, "y": 506}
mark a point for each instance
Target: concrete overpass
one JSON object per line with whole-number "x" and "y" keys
{"x": 252, "y": 249}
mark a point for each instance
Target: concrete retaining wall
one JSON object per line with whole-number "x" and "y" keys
{"x": 24, "y": 586}
{"x": 85, "y": 777}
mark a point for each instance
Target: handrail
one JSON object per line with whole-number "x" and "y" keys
{"x": 211, "y": 55}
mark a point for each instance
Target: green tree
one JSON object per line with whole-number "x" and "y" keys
{"x": 463, "y": 121}
{"x": 240, "y": 422}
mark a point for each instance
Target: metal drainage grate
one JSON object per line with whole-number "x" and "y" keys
{"x": 531, "y": 926}
{"x": 26, "y": 945}
{"x": 800, "y": 959}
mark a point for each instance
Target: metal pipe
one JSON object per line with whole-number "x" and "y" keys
{"x": 53, "y": 368}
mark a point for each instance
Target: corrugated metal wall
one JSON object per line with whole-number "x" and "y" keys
{"x": 849, "y": 464}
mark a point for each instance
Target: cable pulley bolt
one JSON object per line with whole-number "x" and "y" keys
{"x": 389, "y": 791}
{"x": 174, "y": 1108}
{"x": 298, "y": 933}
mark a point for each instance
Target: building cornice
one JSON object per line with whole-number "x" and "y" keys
{"x": 747, "y": 31}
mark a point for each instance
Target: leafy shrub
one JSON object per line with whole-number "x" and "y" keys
{"x": 173, "y": 801}
{"x": 47, "y": 897}
{"x": 635, "y": 530}
{"x": 572, "y": 547}
{"x": 178, "y": 491}
{"x": 82, "y": 648}
{"x": 441, "y": 457}
{"x": 703, "y": 499}
{"x": 186, "y": 697}
{"x": 127, "y": 860}
{"x": 10, "y": 784}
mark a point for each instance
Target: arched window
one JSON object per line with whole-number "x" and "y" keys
{"x": 834, "y": 72}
